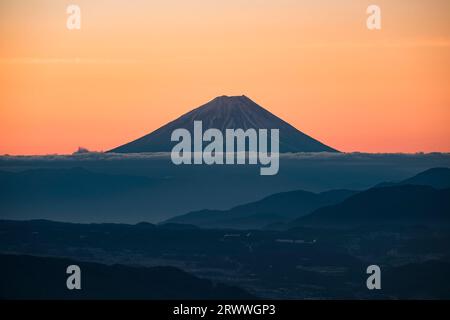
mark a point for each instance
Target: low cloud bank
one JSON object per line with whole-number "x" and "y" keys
{"x": 90, "y": 156}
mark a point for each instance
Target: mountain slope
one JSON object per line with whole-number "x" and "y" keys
{"x": 98, "y": 281}
{"x": 438, "y": 178}
{"x": 226, "y": 113}
{"x": 275, "y": 208}
{"x": 282, "y": 207}
{"x": 405, "y": 203}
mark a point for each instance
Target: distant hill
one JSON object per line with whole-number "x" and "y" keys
{"x": 224, "y": 112}
{"x": 402, "y": 203}
{"x": 438, "y": 178}
{"x": 85, "y": 195}
{"x": 29, "y": 277}
{"x": 274, "y": 211}
{"x": 275, "y": 208}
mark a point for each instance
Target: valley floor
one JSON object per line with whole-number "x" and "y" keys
{"x": 297, "y": 264}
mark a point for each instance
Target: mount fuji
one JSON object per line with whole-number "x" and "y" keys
{"x": 226, "y": 112}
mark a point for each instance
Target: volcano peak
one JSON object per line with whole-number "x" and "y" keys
{"x": 226, "y": 112}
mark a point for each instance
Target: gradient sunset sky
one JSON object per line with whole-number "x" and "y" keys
{"x": 136, "y": 65}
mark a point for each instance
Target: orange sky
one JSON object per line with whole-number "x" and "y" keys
{"x": 136, "y": 65}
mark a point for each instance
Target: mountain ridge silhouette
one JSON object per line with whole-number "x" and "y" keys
{"x": 226, "y": 112}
